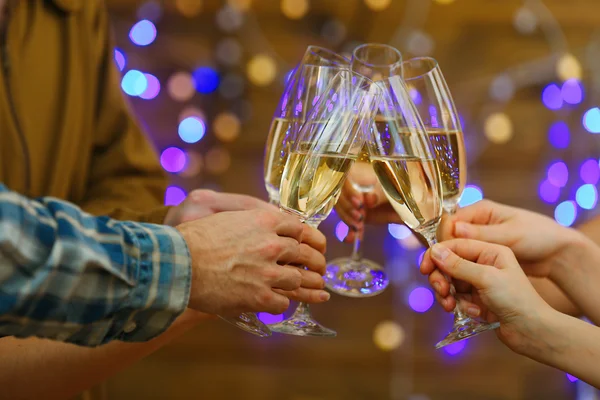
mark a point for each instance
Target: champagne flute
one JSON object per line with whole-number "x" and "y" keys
{"x": 355, "y": 276}
{"x": 427, "y": 87}
{"x": 322, "y": 153}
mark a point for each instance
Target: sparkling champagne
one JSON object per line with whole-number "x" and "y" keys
{"x": 411, "y": 187}
{"x": 449, "y": 150}
{"x": 312, "y": 181}
{"x": 279, "y": 143}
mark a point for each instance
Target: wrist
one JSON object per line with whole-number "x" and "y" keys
{"x": 576, "y": 252}
{"x": 541, "y": 338}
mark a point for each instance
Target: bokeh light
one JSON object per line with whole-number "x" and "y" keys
{"x": 120, "y": 59}
{"x": 415, "y": 96}
{"x": 334, "y": 32}
{"x": 189, "y": 8}
{"x": 270, "y": 318}
{"x": 591, "y": 120}
{"x": 455, "y": 348}
{"x": 217, "y": 160}
{"x": 243, "y": 109}
{"x": 388, "y": 335}
{"x": 559, "y": 135}
{"x": 548, "y": 192}
{"x": 152, "y": 88}
{"x": 472, "y": 194}
{"x": 229, "y": 52}
{"x": 341, "y": 231}
{"x": 193, "y": 166}
{"x": 552, "y": 97}
{"x": 587, "y": 196}
{"x": 262, "y": 70}
{"x": 590, "y": 171}
{"x": 191, "y": 111}
{"x": 572, "y": 378}
{"x": 229, "y": 19}
{"x": 206, "y": 79}
{"x": 174, "y": 195}
{"x": 558, "y": 174}
{"x": 294, "y": 9}
{"x": 173, "y": 159}
{"x": 420, "y": 258}
{"x": 143, "y": 33}
{"x": 420, "y": 43}
{"x": 181, "y": 86}
{"x": 498, "y": 128}
{"x": 232, "y": 86}
{"x": 420, "y": 299}
{"x": 227, "y": 127}
{"x": 151, "y": 10}
{"x": 572, "y": 91}
{"x": 568, "y": 67}
{"x": 410, "y": 243}
{"x": 241, "y": 5}
{"x": 502, "y": 88}
{"x": 134, "y": 83}
{"x": 378, "y": 5}
{"x": 525, "y": 21}
{"x": 191, "y": 129}
{"x": 399, "y": 231}
{"x": 565, "y": 213}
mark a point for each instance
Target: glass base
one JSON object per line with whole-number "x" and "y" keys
{"x": 302, "y": 327}
{"x": 466, "y": 328}
{"x": 352, "y": 278}
{"x": 250, "y": 323}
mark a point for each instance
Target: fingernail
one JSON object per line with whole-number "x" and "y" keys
{"x": 357, "y": 202}
{"x": 437, "y": 286}
{"x": 440, "y": 252}
{"x": 324, "y": 296}
{"x": 473, "y": 311}
{"x": 462, "y": 229}
{"x": 362, "y": 217}
{"x": 356, "y": 215}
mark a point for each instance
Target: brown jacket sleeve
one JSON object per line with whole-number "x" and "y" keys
{"x": 126, "y": 180}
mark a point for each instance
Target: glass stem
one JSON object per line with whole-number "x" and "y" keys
{"x": 356, "y": 254}
{"x": 459, "y": 315}
{"x": 273, "y": 200}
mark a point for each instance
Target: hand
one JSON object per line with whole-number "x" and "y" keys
{"x": 202, "y": 203}
{"x": 538, "y": 242}
{"x": 490, "y": 276}
{"x": 241, "y": 261}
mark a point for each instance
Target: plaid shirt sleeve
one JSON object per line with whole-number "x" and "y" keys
{"x": 70, "y": 276}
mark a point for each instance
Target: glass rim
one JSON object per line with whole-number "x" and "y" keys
{"x": 318, "y": 50}
{"x": 434, "y": 65}
{"x": 387, "y": 46}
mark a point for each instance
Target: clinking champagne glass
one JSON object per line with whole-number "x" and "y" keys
{"x": 355, "y": 276}
{"x": 322, "y": 153}
{"x": 428, "y": 89}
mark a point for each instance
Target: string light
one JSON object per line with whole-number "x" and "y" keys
{"x": 558, "y": 135}
{"x": 378, "y": 5}
{"x": 241, "y": 5}
{"x": 587, "y": 196}
{"x": 502, "y": 88}
{"x": 420, "y": 43}
{"x": 193, "y": 166}
{"x": 134, "y": 82}
{"x": 565, "y": 213}
{"x": 591, "y": 120}
{"x": 229, "y": 19}
{"x": 229, "y": 52}
{"x": 189, "y": 8}
{"x": 498, "y": 128}
{"x": 191, "y": 130}
{"x": 558, "y": 174}
{"x": 388, "y": 335}
{"x": 471, "y": 195}
{"x": 120, "y": 59}
{"x": 217, "y": 160}
{"x": 143, "y": 33}
{"x": 181, "y": 86}
{"x": 552, "y": 97}
{"x": 191, "y": 111}
{"x": 548, "y": 192}
{"x": 294, "y": 9}
{"x": 262, "y": 70}
{"x": 399, "y": 231}
{"x": 341, "y": 231}
{"x": 572, "y": 92}
{"x": 226, "y": 127}
{"x": 455, "y": 348}
{"x": 152, "y": 87}
{"x": 568, "y": 67}
{"x": 420, "y": 299}
{"x": 525, "y": 21}
{"x": 151, "y": 10}
{"x": 173, "y": 159}
{"x": 206, "y": 79}
{"x": 589, "y": 172}
{"x": 174, "y": 195}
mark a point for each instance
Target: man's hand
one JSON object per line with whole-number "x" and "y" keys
{"x": 242, "y": 261}
{"x": 202, "y": 203}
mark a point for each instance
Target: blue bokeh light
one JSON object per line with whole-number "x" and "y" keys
{"x": 134, "y": 82}
{"x": 558, "y": 174}
{"x": 415, "y": 96}
{"x": 590, "y": 171}
{"x": 174, "y": 195}
{"x": 270, "y": 318}
{"x": 552, "y": 97}
{"x": 587, "y": 196}
{"x": 591, "y": 120}
{"x": 191, "y": 129}
{"x": 548, "y": 192}
{"x": 572, "y": 91}
{"x": 341, "y": 231}
{"x": 152, "y": 89}
{"x": 558, "y": 135}
{"x": 143, "y": 33}
{"x": 399, "y": 231}
{"x": 472, "y": 194}
{"x": 420, "y": 299}
{"x": 455, "y": 348}
{"x": 565, "y": 213}
{"x": 207, "y": 80}
{"x": 120, "y": 59}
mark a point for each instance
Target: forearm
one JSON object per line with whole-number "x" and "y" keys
{"x": 566, "y": 343}
{"x": 554, "y": 296}
{"x": 36, "y": 368}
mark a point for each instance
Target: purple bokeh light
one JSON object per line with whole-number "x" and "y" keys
{"x": 173, "y": 159}
{"x": 548, "y": 192}
{"x": 415, "y": 96}
{"x": 152, "y": 89}
{"x": 558, "y": 135}
{"x": 572, "y": 91}
{"x": 341, "y": 231}
{"x": 420, "y": 257}
{"x": 174, "y": 195}
{"x": 590, "y": 171}
{"x": 420, "y": 299}
{"x": 591, "y": 120}
{"x": 572, "y": 378}
{"x": 455, "y": 348}
{"x": 270, "y": 318}
{"x": 399, "y": 231}
{"x": 120, "y": 59}
{"x": 143, "y": 33}
{"x": 558, "y": 174}
{"x": 552, "y": 97}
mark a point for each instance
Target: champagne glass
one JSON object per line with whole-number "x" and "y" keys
{"x": 355, "y": 276}
{"x": 428, "y": 88}
{"x": 322, "y": 153}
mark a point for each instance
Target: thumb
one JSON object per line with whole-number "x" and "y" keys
{"x": 455, "y": 266}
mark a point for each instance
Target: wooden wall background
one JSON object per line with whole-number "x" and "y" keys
{"x": 475, "y": 41}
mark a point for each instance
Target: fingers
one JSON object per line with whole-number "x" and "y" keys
{"x": 313, "y": 238}
{"x": 350, "y": 207}
{"x": 483, "y": 212}
{"x": 304, "y": 295}
{"x": 439, "y": 283}
{"x": 455, "y": 266}
{"x": 284, "y": 277}
{"x": 447, "y": 303}
{"x": 304, "y": 255}
{"x": 272, "y": 302}
{"x": 284, "y": 225}
{"x": 499, "y": 233}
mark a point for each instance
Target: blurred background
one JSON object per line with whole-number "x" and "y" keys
{"x": 204, "y": 77}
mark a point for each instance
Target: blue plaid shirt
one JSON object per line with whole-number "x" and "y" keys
{"x": 70, "y": 276}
